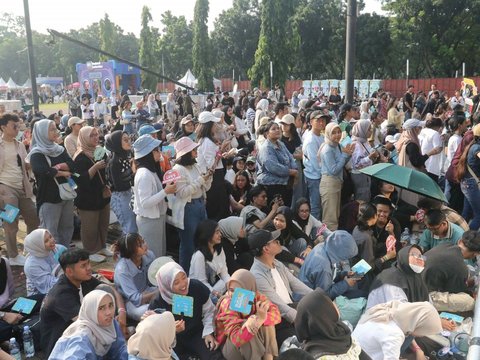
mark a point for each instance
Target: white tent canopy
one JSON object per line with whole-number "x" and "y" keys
{"x": 11, "y": 84}
{"x": 3, "y": 84}
{"x": 189, "y": 79}
{"x": 28, "y": 84}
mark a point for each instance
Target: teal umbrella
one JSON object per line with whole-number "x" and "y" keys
{"x": 406, "y": 178}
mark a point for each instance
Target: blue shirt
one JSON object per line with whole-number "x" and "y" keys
{"x": 274, "y": 163}
{"x": 131, "y": 281}
{"x": 428, "y": 241}
{"x": 333, "y": 160}
{"x": 40, "y": 274}
{"x": 310, "y": 147}
{"x": 79, "y": 347}
{"x": 473, "y": 160}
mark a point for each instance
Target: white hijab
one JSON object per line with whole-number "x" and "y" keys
{"x": 35, "y": 243}
{"x": 230, "y": 228}
{"x": 101, "y": 337}
{"x": 148, "y": 342}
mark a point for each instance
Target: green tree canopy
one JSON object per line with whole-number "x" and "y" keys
{"x": 147, "y": 50}
{"x": 201, "y": 46}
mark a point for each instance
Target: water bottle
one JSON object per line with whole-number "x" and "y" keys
{"x": 405, "y": 237}
{"x": 15, "y": 350}
{"x": 28, "y": 346}
{"x": 72, "y": 183}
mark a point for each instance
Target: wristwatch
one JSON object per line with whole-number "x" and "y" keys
{"x": 2, "y": 315}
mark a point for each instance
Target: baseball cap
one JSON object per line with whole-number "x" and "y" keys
{"x": 75, "y": 120}
{"x": 251, "y": 159}
{"x": 287, "y": 119}
{"x": 260, "y": 238}
{"x": 207, "y": 116}
{"x": 186, "y": 120}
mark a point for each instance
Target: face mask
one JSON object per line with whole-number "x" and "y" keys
{"x": 417, "y": 268}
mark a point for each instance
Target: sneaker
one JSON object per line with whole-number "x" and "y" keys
{"x": 97, "y": 258}
{"x": 105, "y": 252}
{"x": 18, "y": 260}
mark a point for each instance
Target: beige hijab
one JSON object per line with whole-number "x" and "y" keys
{"x": 420, "y": 318}
{"x": 101, "y": 337}
{"x": 150, "y": 343}
{"x": 84, "y": 143}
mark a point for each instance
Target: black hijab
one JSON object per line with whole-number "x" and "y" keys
{"x": 228, "y": 119}
{"x": 3, "y": 275}
{"x": 291, "y": 231}
{"x": 318, "y": 325}
{"x": 402, "y": 276}
{"x": 296, "y": 217}
{"x": 114, "y": 143}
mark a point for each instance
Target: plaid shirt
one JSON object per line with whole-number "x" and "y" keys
{"x": 454, "y": 217}
{"x": 229, "y": 323}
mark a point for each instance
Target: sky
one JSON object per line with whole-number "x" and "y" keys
{"x": 64, "y": 15}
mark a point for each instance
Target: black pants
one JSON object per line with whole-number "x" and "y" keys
{"x": 218, "y": 204}
{"x": 195, "y": 346}
{"x": 281, "y": 190}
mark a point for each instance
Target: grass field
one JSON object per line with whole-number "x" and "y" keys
{"x": 49, "y": 109}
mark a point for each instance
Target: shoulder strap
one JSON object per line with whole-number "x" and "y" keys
{"x": 473, "y": 174}
{"x": 50, "y": 164}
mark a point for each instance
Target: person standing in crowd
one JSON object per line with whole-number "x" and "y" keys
{"x": 313, "y": 170}
{"x": 333, "y": 158}
{"x": 51, "y": 165}
{"x": 120, "y": 179}
{"x": 100, "y": 109}
{"x": 149, "y": 195}
{"x": 394, "y": 116}
{"x": 192, "y": 188}
{"x": 93, "y": 200}
{"x": 70, "y": 142}
{"x": 408, "y": 102}
{"x": 127, "y": 117}
{"x": 275, "y": 165}
{"x": 152, "y": 106}
{"x": 431, "y": 143}
{"x": 87, "y": 111}
{"x": 209, "y": 159}
{"x": 170, "y": 108}
{"x": 15, "y": 186}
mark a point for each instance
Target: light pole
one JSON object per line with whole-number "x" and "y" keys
{"x": 31, "y": 62}
{"x": 350, "y": 50}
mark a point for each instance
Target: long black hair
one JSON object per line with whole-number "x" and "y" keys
{"x": 366, "y": 212}
{"x": 148, "y": 162}
{"x": 203, "y": 234}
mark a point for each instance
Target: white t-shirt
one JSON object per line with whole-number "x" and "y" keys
{"x": 281, "y": 289}
{"x": 453, "y": 144}
{"x": 430, "y": 140}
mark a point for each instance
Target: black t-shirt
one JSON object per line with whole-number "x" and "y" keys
{"x": 193, "y": 325}
{"x": 59, "y": 307}
{"x": 408, "y": 99}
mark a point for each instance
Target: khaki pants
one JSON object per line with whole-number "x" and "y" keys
{"x": 28, "y": 210}
{"x": 94, "y": 229}
{"x": 330, "y": 193}
{"x": 263, "y": 343}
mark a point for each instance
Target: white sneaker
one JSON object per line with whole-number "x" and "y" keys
{"x": 18, "y": 260}
{"x": 105, "y": 252}
{"x": 97, "y": 258}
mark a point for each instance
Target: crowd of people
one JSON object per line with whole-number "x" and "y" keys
{"x": 252, "y": 192}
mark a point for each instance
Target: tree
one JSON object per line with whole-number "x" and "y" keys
{"x": 107, "y": 37}
{"x": 278, "y": 40}
{"x": 235, "y": 38}
{"x": 201, "y": 47}
{"x": 147, "y": 50}
{"x": 175, "y": 45}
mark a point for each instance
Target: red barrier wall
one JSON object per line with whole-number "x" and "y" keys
{"x": 398, "y": 86}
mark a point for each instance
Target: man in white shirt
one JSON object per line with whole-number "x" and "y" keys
{"x": 274, "y": 280}
{"x": 87, "y": 111}
{"x": 15, "y": 186}
{"x": 100, "y": 109}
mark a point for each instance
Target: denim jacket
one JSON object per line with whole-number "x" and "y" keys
{"x": 274, "y": 162}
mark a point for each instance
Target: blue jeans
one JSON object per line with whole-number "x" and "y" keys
{"x": 313, "y": 186}
{"x": 471, "y": 207}
{"x": 195, "y": 213}
{"x": 120, "y": 205}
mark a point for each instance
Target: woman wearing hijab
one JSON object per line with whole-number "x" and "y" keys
{"x": 152, "y": 106}
{"x": 194, "y": 334}
{"x": 148, "y": 343}
{"x": 261, "y": 111}
{"x": 409, "y": 154}
{"x": 247, "y": 336}
{"x": 95, "y": 334}
{"x": 120, "y": 178}
{"x": 50, "y": 162}
{"x": 403, "y": 281}
{"x": 297, "y": 245}
{"x": 311, "y": 226}
{"x": 383, "y": 328}
{"x": 93, "y": 200}
{"x": 41, "y": 266}
{"x": 192, "y": 190}
{"x": 333, "y": 158}
{"x": 149, "y": 195}
{"x": 234, "y": 244}
{"x": 362, "y": 156}
{"x": 323, "y": 267}
{"x": 322, "y": 333}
